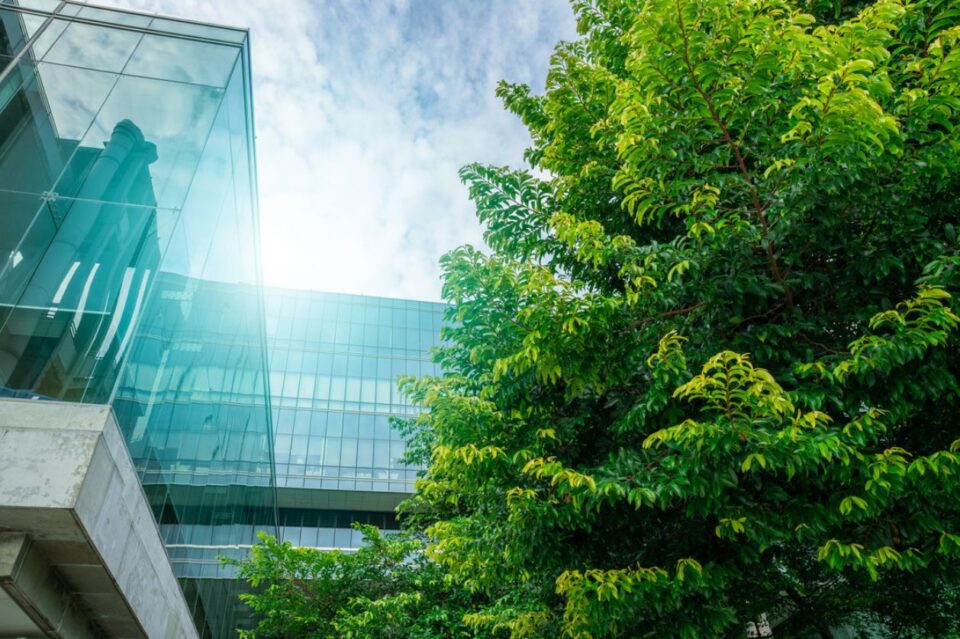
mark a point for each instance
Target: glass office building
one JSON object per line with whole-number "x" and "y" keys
{"x": 334, "y": 362}
{"x": 128, "y": 250}
{"x": 126, "y": 150}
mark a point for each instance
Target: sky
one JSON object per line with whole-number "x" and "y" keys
{"x": 365, "y": 111}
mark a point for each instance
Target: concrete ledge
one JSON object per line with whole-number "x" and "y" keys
{"x": 73, "y": 511}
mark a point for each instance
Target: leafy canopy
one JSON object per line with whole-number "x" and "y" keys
{"x": 707, "y": 375}
{"x": 708, "y": 372}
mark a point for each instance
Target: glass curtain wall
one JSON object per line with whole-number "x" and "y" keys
{"x": 334, "y": 364}
{"x": 129, "y": 261}
{"x": 192, "y": 404}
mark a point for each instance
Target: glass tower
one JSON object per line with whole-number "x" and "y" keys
{"x": 129, "y": 267}
{"x": 334, "y": 363}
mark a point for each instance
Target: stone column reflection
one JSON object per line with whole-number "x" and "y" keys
{"x": 105, "y": 242}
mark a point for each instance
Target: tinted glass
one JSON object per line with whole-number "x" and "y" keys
{"x": 93, "y": 47}
{"x": 128, "y": 269}
{"x": 182, "y": 60}
{"x": 335, "y": 359}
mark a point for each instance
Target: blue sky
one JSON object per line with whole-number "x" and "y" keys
{"x": 365, "y": 110}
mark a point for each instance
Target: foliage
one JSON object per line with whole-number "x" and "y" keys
{"x": 386, "y": 589}
{"x": 708, "y": 372}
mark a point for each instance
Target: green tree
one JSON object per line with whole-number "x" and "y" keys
{"x": 387, "y": 589}
{"x": 708, "y": 372}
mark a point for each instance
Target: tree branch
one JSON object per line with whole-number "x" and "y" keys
{"x": 754, "y": 195}
{"x": 673, "y": 313}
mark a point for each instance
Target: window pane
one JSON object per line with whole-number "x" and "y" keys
{"x": 365, "y": 453}
{"x": 175, "y": 118}
{"x": 93, "y": 47}
{"x": 331, "y": 456}
{"x": 183, "y": 60}
{"x": 52, "y": 106}
{"x": 16, "y": 29}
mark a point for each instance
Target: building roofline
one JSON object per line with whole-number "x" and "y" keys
{"x": 240, "y": 37}
{"x": 164, "y": 16}
{"x": 309, "y": 291}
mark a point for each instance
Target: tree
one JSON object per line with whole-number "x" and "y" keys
{"x": 385, "y": 589}
{"x": 708, "y": 372}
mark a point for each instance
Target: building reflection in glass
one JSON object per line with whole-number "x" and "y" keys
{"x": 65, "y": 335}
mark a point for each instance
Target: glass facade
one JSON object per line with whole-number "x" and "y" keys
{"x": 334, "y": 363}
{"x": 129, "y": 275}
{"x": 129, "y": 262}
{"x": 192, "y": 405}
{"x": 124, "y": 150}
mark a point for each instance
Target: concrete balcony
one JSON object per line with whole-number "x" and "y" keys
{"x": 80, "y": 553}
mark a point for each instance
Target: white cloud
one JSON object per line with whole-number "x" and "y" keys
{"x": 365, "y": 110}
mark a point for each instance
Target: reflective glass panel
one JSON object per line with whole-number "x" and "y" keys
{"x": 16, "y": 29}
{"x": 93, "y": 47}
{"x": 176, "y": 118}
{"x": 45, "y": 40}
{"x": 129, "y": 271}
{"x": 47, "y": 109}
{"x": 32, "y": 228}
{"x": 71, "y": 324}
{"x": 182, "y": 60}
